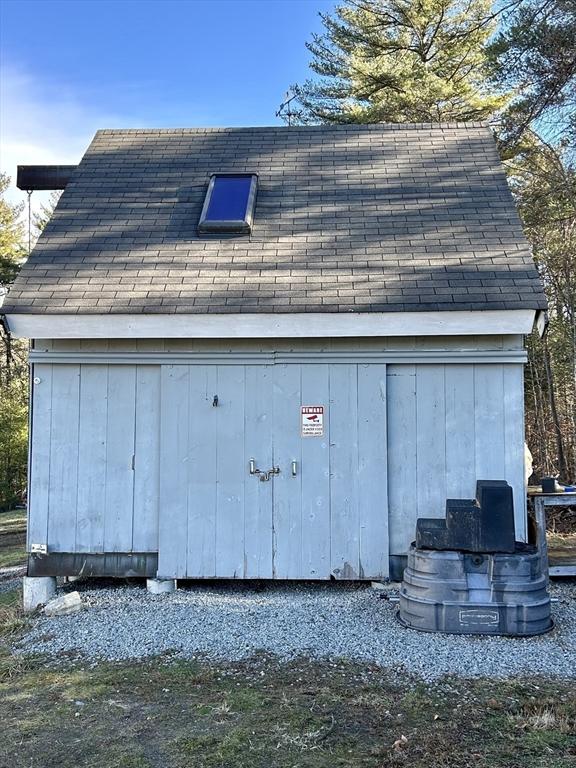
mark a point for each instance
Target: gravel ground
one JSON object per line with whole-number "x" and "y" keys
{"x": 11, "y": 578}
{"x": 232, "y": 622}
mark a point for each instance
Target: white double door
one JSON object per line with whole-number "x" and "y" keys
{"x": 243, "y": 494}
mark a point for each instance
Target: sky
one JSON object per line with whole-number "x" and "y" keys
{"x": 69, "y": 67}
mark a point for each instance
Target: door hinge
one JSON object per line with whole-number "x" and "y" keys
{"x": 133, "y": 461}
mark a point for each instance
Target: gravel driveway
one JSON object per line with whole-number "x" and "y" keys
{"x": 232, "y": 621}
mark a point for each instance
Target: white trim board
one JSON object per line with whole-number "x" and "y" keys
{"x": 227, "y": 357}
{"x": 265, "y": 325}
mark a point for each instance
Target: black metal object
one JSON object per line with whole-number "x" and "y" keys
{"x": 46, "y": 177}
{"x": 121, "y": 564}
{"x": 483, "y": 524}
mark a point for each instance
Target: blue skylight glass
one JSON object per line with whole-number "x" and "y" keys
{"x": 229, "y": 203}
{"x": 229, "y": 198}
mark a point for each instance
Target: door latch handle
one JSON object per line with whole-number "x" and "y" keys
{"x": 294, "y": 469}
{"x": 263, "y": 476}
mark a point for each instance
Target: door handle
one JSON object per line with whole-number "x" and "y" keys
{"x": 294, "y": 469}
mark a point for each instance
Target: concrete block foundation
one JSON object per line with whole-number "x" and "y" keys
{"x": 160, "y": 586}
{"x": 37, "y": 591}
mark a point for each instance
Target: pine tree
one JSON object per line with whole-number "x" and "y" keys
{"x": 401, "y": 61}
{"x": 534, "y": 56}
{"x": 544, "y": 182}
{"x": 13, "y": 364}
{"x": 12, "y": 251}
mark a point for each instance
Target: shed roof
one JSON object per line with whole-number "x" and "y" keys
{"x": 369, "y": 218}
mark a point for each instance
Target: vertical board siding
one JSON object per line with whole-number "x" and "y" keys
{"x": 258, "y": 419}
{"x": 460, "y": 432}
{"x": 459, "y": 424}
{"x": 372, "y": 470}
{"x": 344, "y": 514}
{"x": 230, "y": 472}
{"x": 218, "y": 520}
{"x": 287, "y": 534}
{"x": 402, "y": 469}
{"x": 90, "y": 502}
{"x": 83, "y": 448}
{"x": 40, "y": 454}
{"x": 514, "y": 442}
{"x": 312, "y": 480}
{"x": 431, "y": 441}
{"x": 146, "y": 460}
{"x": 64, "y": 458}
{"x": 201, "y": 458}
{"x": 446, "y": 426}
{"x": 489, "y": 422}
{"x": 174, "y": 442}
{"x": 119, "y": 458}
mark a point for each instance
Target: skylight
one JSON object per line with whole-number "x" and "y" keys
{"x": 229, "y": 203}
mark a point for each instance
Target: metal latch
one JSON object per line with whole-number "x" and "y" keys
{"x": 263, "y": 476}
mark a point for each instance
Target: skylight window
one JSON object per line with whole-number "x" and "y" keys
{"x": 229, "y": 203}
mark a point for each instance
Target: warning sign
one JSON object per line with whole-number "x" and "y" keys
{"x": 312, "y": 420}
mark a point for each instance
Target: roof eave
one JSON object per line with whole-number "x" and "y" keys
{"x": 269, "y": 325}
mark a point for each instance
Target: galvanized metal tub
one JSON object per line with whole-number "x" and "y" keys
{"x": 475, "y": 594}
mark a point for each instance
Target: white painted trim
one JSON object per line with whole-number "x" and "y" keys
{"x": 270, "y": 358}
{"x": 290, "y": 325}
{"x": 518, "y": 356}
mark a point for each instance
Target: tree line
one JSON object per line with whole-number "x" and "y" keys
{"x": 511, "y": 63}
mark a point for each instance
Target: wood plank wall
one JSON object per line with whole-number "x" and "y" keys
{"x": 448, "y": 424}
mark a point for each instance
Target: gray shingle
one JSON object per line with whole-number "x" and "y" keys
{"x": 348, "y": 218}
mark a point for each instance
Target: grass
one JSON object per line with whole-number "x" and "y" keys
{"x": 189, "y": 714}
{"x": 12, "y": 538}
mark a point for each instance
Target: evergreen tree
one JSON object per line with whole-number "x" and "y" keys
{"x": 13, "y": 365}
{"x": 41, "y": 218}
{"x": 543, "y": 179}
{"x": 12, "y": 251}
{"x": 534, "y": 56}
{"x": 401, "y": 61}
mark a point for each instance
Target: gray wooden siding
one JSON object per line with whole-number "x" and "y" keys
{"x": 446, "y": 426}
{"x": 330, "y": 519}
{"x": 88, "y": 423}
{"x": 449, "y": 425}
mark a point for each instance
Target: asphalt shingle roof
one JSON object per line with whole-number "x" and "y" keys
{"x": 348, "y": 219}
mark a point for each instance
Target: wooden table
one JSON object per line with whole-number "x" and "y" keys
{"x": 541, "y": 502}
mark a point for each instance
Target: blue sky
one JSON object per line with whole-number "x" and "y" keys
{"x": 69, "y": 67}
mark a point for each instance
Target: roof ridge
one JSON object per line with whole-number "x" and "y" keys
{"x": 299, "y": 128}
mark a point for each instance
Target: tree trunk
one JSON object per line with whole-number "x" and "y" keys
{"x": 562, "y": 466}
